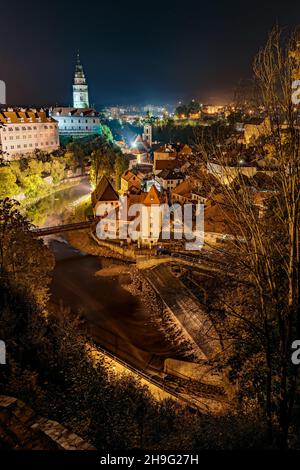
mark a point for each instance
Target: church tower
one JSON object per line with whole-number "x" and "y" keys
{"x": 80, "y": 88}
{"x": 147, "y": 134}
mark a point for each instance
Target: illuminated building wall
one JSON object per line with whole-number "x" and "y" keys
{"x": 25, "y": 131}
{"x": 77, "y": 122}
{"x": 80, "y": 88}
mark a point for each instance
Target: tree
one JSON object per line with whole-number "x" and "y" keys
{"x": 103, "y": 157}
{"x": 57, "y": 170}
{"x": 25, "y": 263}
{"x": 120, "y": 166}
{"x": 261, "y": 312}
{"x": 8, "y": 186}
{"x": 107, "y": 133}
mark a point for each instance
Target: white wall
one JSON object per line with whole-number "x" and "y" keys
{"x": 22, "y": 138}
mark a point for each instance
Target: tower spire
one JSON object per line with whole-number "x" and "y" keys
{"x": 80, "y": 88}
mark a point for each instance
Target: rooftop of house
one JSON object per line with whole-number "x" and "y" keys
{"x": 184, "y": 188}
{"x": 132, "y": 174}
{"x": 152, "y": 197}
{"x": 167, "y": 164}
{"x": 104, "y": 192}
{"x": 219, "y": 217}
{"x": 19, "y": 116}
{"x": 144, "y": 167}
{"x": 69, "y": 111}
{"x": 174, "y": 148}
{"x": 171, "y": 175}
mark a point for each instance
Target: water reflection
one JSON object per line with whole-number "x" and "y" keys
{"x": 115, "y": 317}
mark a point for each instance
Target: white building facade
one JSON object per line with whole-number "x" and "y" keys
{"x": 26, "y": 130}
{"x": 74, "y": 122}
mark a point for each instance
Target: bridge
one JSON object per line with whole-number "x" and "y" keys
{"x": 43, "y": 232}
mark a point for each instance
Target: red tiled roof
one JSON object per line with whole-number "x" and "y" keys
{"x": 104, "y": 192}
{"x": 167, "y": 165}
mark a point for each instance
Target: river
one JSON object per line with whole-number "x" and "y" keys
{"x": 115, "y": 317}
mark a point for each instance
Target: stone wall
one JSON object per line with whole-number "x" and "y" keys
{"x": 22, "y": 428}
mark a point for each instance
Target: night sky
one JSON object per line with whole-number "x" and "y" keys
{"x": 134, "y": 51}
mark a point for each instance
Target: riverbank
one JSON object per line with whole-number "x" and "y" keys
{"x": 68, "y": 183}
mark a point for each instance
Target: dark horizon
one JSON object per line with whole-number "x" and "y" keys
{"x": 167, "y": 53}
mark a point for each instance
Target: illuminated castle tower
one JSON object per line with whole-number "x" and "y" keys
{"x": 80, "y": 88}
{"x": 147, "y": 135}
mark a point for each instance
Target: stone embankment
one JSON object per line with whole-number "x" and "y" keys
{"x": 22, "y": 428}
